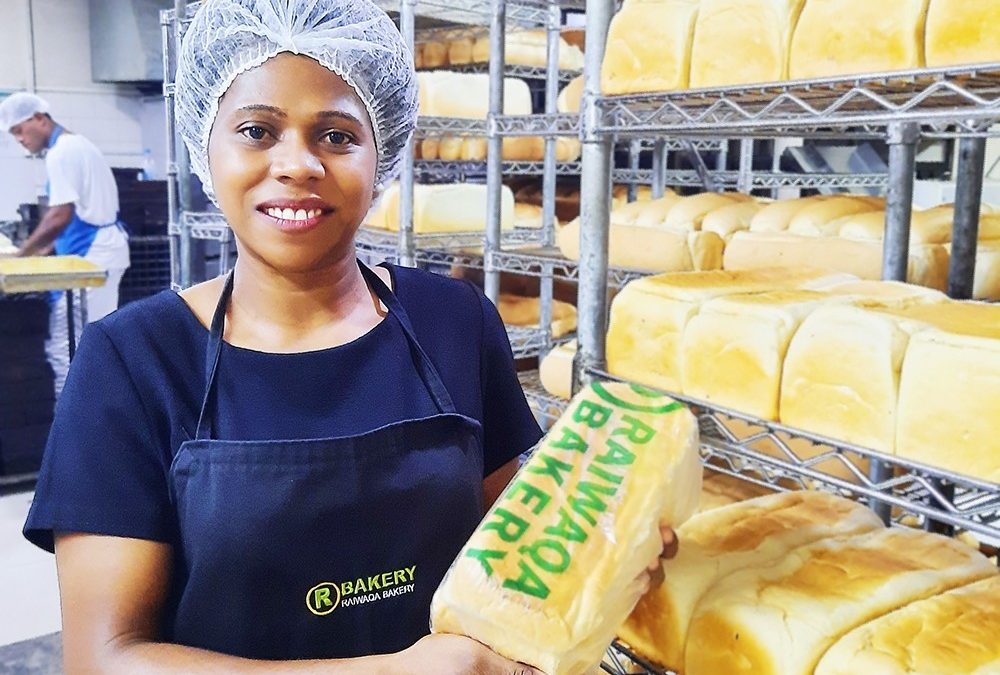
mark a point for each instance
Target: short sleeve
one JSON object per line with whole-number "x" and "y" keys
{"x": 64, "y": 178}
{"x": 509, "y": 427}
{"x": 101, "y": 473}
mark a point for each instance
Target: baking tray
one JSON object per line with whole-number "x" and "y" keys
{"x": 50, "y": 273}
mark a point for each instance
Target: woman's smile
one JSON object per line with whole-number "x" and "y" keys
{"x": 295, "y": 215}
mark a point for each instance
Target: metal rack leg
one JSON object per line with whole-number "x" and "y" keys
{"x": 546, "y": 287}
{"x": 634, "y": 149}
{"x": 407, "y": 245}
{"x": 744, "y": 181}
{"x": 965, "y": 231}
{"x": 659, "y": 167}
{"x": 595, "y": 189}
{"x": 494, "y": 157}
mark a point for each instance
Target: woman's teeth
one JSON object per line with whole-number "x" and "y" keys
{"x": 289, "y": 214}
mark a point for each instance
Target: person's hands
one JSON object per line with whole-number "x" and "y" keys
{"x": 441, "y": 653}
{"x": 653, "y": 574}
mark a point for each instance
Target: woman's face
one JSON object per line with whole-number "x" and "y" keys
{"x": 293, "y": 161}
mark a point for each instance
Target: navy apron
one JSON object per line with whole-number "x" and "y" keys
{"x": 324, "y": 547}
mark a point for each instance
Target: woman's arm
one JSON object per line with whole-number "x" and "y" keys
{"x": 113, "y": 591}
{"x": 496, "y": 482}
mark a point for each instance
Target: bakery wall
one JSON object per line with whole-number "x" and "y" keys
{"x": 47, "y": 49}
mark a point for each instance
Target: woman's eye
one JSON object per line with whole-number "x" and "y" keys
{"x": 338, "y": 138}
{"x": 254, "y": 133}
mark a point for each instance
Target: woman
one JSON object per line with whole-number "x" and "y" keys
{"x": 189, "y": 536}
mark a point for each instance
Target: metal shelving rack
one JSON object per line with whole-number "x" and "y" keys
{"x": 899, "y": 107}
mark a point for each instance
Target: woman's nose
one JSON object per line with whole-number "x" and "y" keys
{"x": 293, "y": 160}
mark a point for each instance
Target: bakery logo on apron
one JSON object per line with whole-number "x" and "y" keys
{"x": 327, "y": 596}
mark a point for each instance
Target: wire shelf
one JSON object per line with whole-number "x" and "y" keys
{"x": 547, "y": 407}
{"x": 944, "y": 101}
{"x": 527, "y": 342}
{"x": 621, "y": 660}
{"x": 559, "y": 124}
{"x": 538, "y": 262}
{"x": 682, "y": 178}
{"x": 436, "y": 169}
{"x": 741, "y": 445}
{"x": 430, "y": 127}
{"x": 513, "y": 70}
{"x": 204, "y": 225}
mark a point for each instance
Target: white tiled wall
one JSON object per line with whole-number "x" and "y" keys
{"x": 115, "y": 117}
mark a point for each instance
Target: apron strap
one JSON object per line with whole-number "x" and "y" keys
{"x": 425, "y": 367}
{"x": 213, "y": 352}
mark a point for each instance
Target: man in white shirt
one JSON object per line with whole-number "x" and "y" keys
{"x": 82, "y": 218}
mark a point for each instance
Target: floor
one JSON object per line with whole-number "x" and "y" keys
{"x": 29, "y": 595}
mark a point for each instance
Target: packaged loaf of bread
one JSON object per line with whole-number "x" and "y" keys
{"x": 754, "y": 533}
{"x": 649, "y": 316}
{"x": 742, "y": 41}
{"x": 960, "y": 32}
{"x": 954, "y": 633}
{"x": 555, "y": 566}
{"x": 779, "y": 618}
{"x": 852, "y": 37}
{"x": 649, "y": 47}
{"x": 516, "y": 310}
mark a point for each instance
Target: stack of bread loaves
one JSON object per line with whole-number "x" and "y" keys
{"x": 845, "y": 359}
{"x": 447, "y": 208}
{"x": 521, "y": 48}
{"x": 768, "y": 585}
{"x": 664, "y": 45}
{"x": 554, "y": 567}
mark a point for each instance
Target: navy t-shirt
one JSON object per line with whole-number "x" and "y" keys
{"x": 135, "y": 388}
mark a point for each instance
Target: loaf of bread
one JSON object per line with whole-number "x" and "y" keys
{"x": 554, "y": 567}
{"x": 733, "y": 350}
{"x": 727, "y": 220}
{"x": 434, "y": 54}
{"x": 619, "y": 194}
{"x": 777, "y": 216}
{"x": 931, "y": 226}
{"x": 780, "y": 618}
{"x": 819, "y": 219}
{"x": 960, "y": 32}
{"x": 955, "y": 633}
{"x": 443, "y": 208}
{"x": 649, "y": 316}
{"x": 714, "y": 544}
{"x": 636, "y": 248}
{"x": 742, "y": 41}
{"x": 719, "y": 489}
{"x": 516, "y": 310}
{"x": 687, "y": 214}
{"x": 949, "y": 389}
{"x": 460, "y": 51}
{"x": 527, "y": 215}
{"x": 928, "y": 264}
{"x": 448, "y": 94}
{"x": 841, "y": 373}
{"x": 649, "y": 47}
{"x": 556, "y": 370}
{"x": 849, "y": 37}
{"x": 529, "y": 48}
{"x": 570, "y": 96}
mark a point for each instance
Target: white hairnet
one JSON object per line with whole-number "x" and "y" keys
{"x": 19, "y": 107}
{"x": 353, "y": 38}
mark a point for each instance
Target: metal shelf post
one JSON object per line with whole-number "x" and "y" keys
{"x": 406, "y": 241}
{"x": 595, "y": 189}
{"x": 903, "y": 137}
{"x": 965, "y": 230}
{"x": 546, "y": 287}
{"x": 659, "y": 167}
{"x": 494, "y": 151}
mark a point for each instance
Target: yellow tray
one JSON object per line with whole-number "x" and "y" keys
{"x": 49, "y": 273}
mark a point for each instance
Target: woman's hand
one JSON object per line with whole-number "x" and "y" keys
{"x": 653, "y": 574}
{"x": 442, "y": 653}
